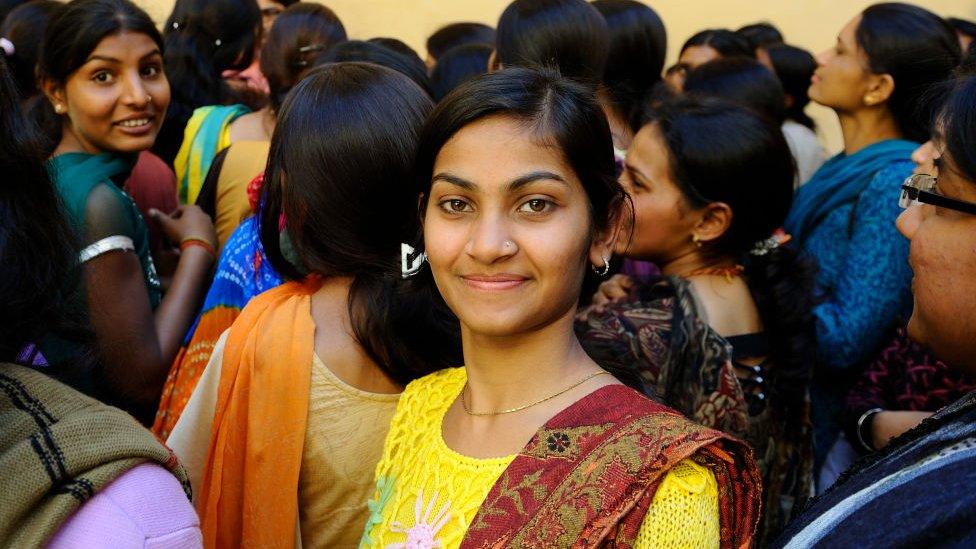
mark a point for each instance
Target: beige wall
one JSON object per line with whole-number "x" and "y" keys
{"x": 811, "y": 24}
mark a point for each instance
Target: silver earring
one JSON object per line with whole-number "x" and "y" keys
{"x": 148, "y": 98}
{"x": 410, "y": 261}
{"x": 605, "y": 269}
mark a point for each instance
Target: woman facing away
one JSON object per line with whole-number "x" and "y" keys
{"x": 77, "y": 473}
{"x": 876, "y": 79}
{"x": 243, "y": 270}
{"x": 102, "y": 75}
{"x": 204, "y": 39}
{"x": 299, "y": 33}
{"x": 917, "y": 491}
{"x": 531, "y": 443}
{"x": 727, "y": 336}
{"x": 287, "y": 423}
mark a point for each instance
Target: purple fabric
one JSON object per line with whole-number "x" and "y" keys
{"x": 145, "y": 507}
{"x": 31, "y": 356}
{"x": 641, "y": 270}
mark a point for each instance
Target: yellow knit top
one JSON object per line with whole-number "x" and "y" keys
{"x": 426, "y": 494}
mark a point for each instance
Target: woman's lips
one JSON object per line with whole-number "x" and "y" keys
{"x": 493, "y": 283}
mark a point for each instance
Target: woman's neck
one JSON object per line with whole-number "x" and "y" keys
{"x": 693, "y": 261}
{"x": 504, "y": 372}
{"x": 71, "y": 144}
{"x": 866, "y": 127}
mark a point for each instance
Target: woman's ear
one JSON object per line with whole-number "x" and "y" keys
{"x": 54, "y": 92}
{"x": 880, "y": 88}
{"x": 715, "y": 222}
{"x": 605, "y": 241}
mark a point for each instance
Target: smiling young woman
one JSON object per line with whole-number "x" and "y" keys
{"x": 102, "y": 73}
{"x": 520, "y": 202}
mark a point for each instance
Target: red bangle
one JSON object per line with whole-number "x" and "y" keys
{"x": 193, "y": 241}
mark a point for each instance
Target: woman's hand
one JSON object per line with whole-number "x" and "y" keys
{"x": 887, "y": 425}
{"x": 186, "y": 222}
{"x": 614, "y": 289}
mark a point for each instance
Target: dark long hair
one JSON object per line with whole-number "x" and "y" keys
{"x": 794, "y": 66}
{"x": 458, "y": 34}
{"x": 457, "y": 65}
{"x": 373, "y": 52}
{"x": 918, "y": 49}
{"x": 24, "y": 26}
{"x": 570, "y": 35}
{"x": 340, "y": 170}
{"x": 38, "y": 250}
{"x": 203, "y": 38}
{"x": 724, "y": 41}
{"x": 743, "y": 81}
{"x": 296, "y": 38}
{"x": 72, "y": 35}
{"x": 723, "y": 152}
{"x": 638, "y": 45}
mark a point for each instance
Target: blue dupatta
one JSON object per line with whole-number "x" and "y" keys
{"x": 840, "y": 181}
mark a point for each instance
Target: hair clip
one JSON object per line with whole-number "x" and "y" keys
{"x": 311, "y": 47}
{"x": 411, "y": 261}
{"x": 7, "y": 46}
{"x": 763, "y": 247}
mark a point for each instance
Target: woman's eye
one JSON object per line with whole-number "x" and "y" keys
{"x": 151, "y": 71}
{"x": 536, "y": 205}
{"x": 102, "y": 77}
{"x": 455, "y": 205}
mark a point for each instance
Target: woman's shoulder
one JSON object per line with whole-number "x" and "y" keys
{"x": 442, "y": 385}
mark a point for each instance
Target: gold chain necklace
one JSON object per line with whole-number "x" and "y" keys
{"x": 464, "y": 400}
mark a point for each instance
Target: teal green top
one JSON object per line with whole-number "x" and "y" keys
{"x": 97, "y": 208}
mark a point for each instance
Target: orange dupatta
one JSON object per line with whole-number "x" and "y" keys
{"x": 249, "y": 492}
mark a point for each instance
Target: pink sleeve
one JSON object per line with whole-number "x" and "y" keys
{"x": 145, "y": 507}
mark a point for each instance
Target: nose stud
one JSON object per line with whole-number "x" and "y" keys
{"x": 508, "y": 244}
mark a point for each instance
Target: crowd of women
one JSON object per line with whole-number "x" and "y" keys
{"x": 267, "y": 285}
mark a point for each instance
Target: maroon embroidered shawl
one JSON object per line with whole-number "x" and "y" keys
{"x": 587, "y": 478}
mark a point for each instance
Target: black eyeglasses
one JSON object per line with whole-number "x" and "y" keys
{"x": 920, "y": 189}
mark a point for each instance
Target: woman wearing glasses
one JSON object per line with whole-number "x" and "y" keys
{"x": 933, "y": 466}
{"x": 875, "y": 79}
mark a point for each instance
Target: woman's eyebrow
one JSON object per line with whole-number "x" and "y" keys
{"x": 453, "y": 180}
{"x": 533, "y": 177}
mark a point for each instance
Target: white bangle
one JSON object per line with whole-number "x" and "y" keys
{"x": 860, "y": 425}
{"x": 105, "y": 245}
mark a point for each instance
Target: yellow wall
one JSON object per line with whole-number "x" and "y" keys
{"x": 811, "y": 24}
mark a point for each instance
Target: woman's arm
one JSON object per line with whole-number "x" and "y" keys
{"x": 136, "y": 345}
{"x": 874, "y": 282}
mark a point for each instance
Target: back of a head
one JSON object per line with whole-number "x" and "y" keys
{"x": 458, "y": 34}
{"x": 345, "y": 142}
{"x": 24, "y": 27}
{"x": 6, "y": 6}
{"x": 638, "y": 45}
{"x": 761, "y": 35}
{"x": 457, "y": 65}
{"x": 203, "y": 38}
{"x": 794, "y": 67}
{"x": 372, "y": 52}
{"x": 724, "y": 41}
{"x": 570, "y": 35}
{"x": 918, "y": 49}
{"x": 37, "y": 248}
{"x": 742, "y": 81}
{"x": 963, "y": 26}
{"x": 396, "y": 45}
{"x": 297, "y": 36}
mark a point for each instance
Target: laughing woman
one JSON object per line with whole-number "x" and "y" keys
{"x": 530, "y": 443}
{"x": 102, "y": 73}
